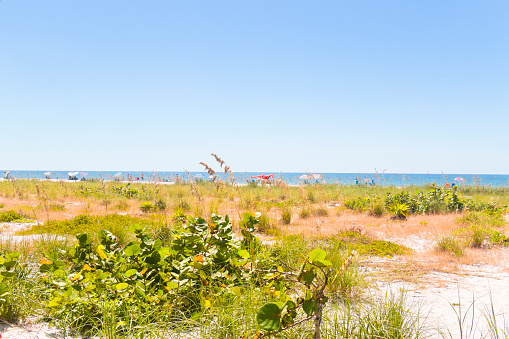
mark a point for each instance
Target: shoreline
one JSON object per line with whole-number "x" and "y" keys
{"x": 157, "y": 182}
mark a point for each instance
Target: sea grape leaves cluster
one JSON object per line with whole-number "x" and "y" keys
{"x": 200, "y": 259}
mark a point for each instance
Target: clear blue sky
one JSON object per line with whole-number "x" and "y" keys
{"x": 321, "y": 86}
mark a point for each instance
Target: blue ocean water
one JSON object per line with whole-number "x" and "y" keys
{"x": 384, "y": 179}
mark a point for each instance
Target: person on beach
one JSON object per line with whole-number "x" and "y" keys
{"x": 357, "y": 181}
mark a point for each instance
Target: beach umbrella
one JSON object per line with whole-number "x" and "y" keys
{"x": 118, "y": 174}
{"x": 47, "y": 173}
{"x": 73, "y": 174}
{"x": 263, "y": 177}
{"x": 198, "y": 177}
{"x": 460, "y": 179}
{"x": 311, "y": 177}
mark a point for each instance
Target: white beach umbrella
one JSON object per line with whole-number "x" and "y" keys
{"x": 118, "y": 174}
{"x": 73, "y": 174}
{"x": 47, "y": 173}
{"x": 311, "y": 177}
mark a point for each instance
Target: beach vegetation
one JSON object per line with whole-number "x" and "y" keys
{"x": 122, "y": 205}
{"x": 305, "y": 212}
{"x": 12, "y": 216}
{"x": 361, "y": 243}
{"x": 183, "y": 205}
{"x": 146, "y": 206}
{"x": 286, "y": 215}
{"x": 57, "y": 207}
{"x": 398, "y": 210}
{"x": 321, "y": 212}
{"x": 216, "y": 298}
{"x": 450, "y": 244}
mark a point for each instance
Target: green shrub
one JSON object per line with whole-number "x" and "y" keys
{"x": 345, "y": 281}
{"x": 114, "y": 223}
{"x": 201, "y": 261}
{"x": 125, "y": 191}
{"x": 179, "y": 216}
{"x": 287, "y": 216}
{"x": 376, "y": 209}
{"x": 358, "y": 204}
{"x": 354, "y": 240}
{"x": 321, "y": 212}
{"x": 15, "y": 286}
{"x": 11, "y": 216}
{"x": 264, "y": 224}
{"x": 450, "y": 244}
{"x": 183, "y": 205}
{"x": 398, "y": 211}
{"x": 146, "y": 206}
{"x": 485, "y": 219}
{"x": 57, "y": 207}
{"x": 160, "y": 204}
{"x": 122, "y": 205}
{"x": 287, "y": 251}
{"x": 305, "y": 213}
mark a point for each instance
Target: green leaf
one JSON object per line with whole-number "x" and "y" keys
{"x": 130, "y": 272}
{"x": 269, "y": 317}
{"x": 172, "y": 285}
{"x": 238, "y": 290}
{"x": 55, "y": 302}
{"x": 135, "y": 228}
{"x": 132, "y": 250}
{"x": 310, "y": 306}
{"x": 101, "y": 275}
{"x": 84, "y": 239}
{"x": 299, "y": 275}
{"x": 59, "y": 274}
{"x": 290, "y": 304}
{"x": 121, "y": 286}
{"x": 243, "y": 254}
{"x": 307, "y": 277}
{"x": 317, "y": 254}
{"x": 322, "y": 263}
{"x": 13, "y": 255}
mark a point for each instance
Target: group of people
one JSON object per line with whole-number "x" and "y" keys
{"x": 366, "y": 181}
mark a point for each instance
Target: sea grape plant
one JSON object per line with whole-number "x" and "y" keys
{"x": 9, "y": 267}
{"x": 275, "y": 317}
{"x": 200, "y": 259}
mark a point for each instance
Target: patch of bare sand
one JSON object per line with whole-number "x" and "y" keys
{"x": 474, "y": 294}
{"x": 31, "y": 329}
